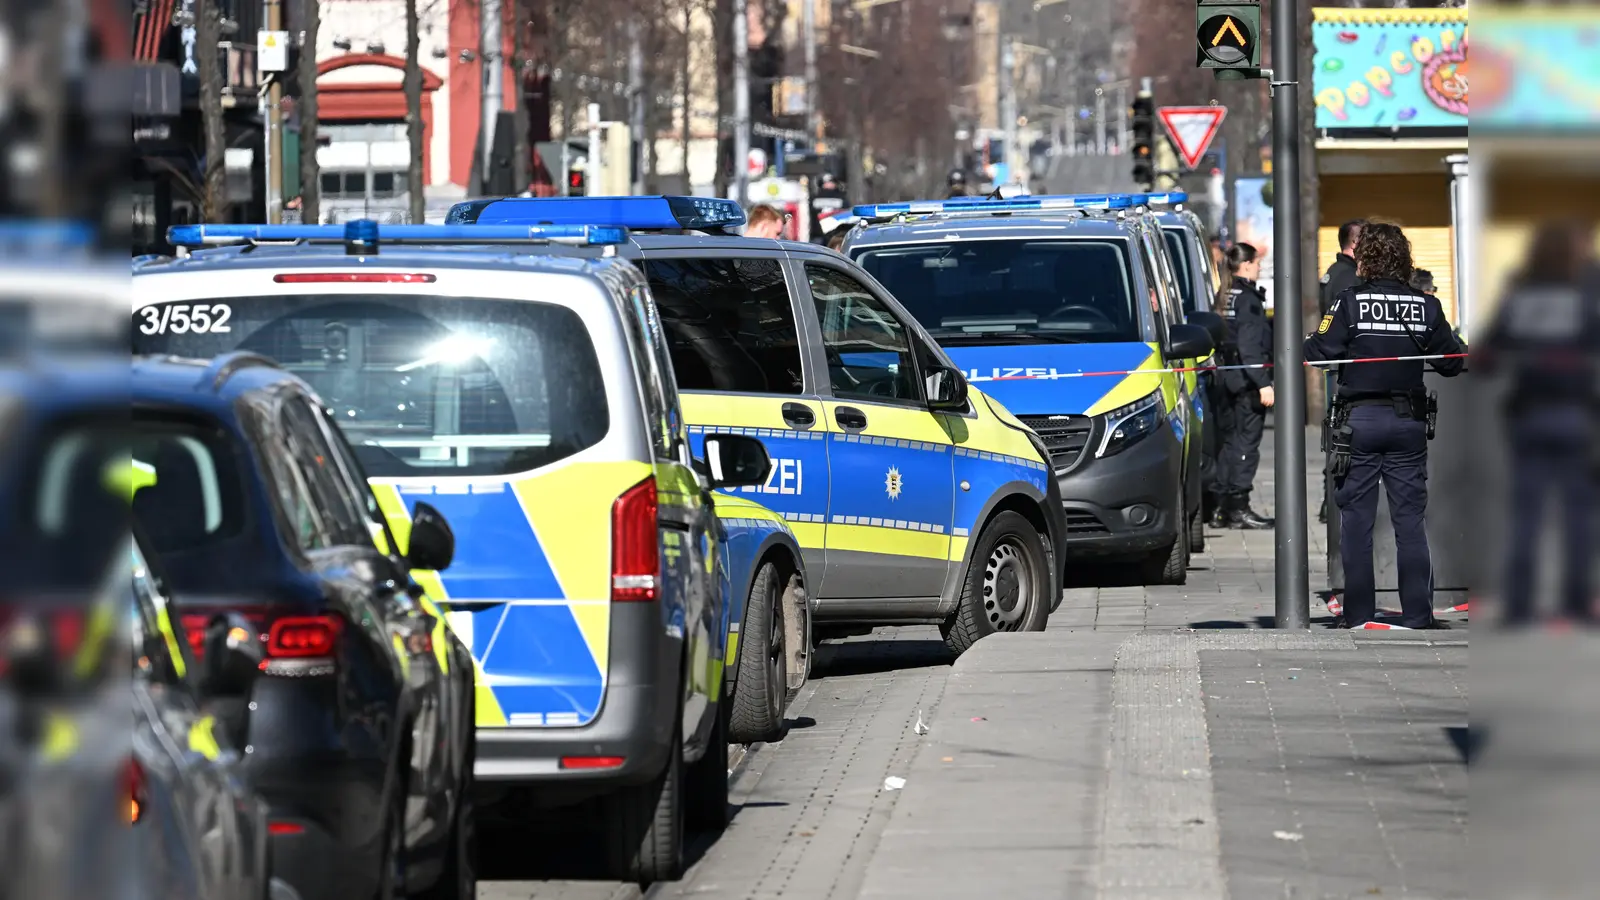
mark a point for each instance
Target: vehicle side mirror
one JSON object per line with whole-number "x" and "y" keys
{"x": 947, "y": 390}
{"x": 233, "y": 654}
{"x": 1212, "y": 323}
{"x": 1188, "y": 342}
{"x": 734, "y": 460}
{"x": 433, "y": 545}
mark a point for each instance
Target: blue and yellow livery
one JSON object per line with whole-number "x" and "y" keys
{"x": 1070, "y": 312}
{"x": 527, "y": 396}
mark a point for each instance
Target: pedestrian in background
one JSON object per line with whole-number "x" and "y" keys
{"x": 1339, "y": 277}
{"x": 1547, "y": 332}
{"x": 1249, "y": 390}
{"x": 765, "y": 222}
{"x": 1422, "y": 280}
{"x": 1388, "y": 413}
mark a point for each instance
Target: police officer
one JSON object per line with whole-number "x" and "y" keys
{"x": 1546, "y": 332}
{"x": 958, "y": 184}
{"x": 1339, "y": 277}
{"x": 1387, "y": 414}
{"x": 1249, "y": 390}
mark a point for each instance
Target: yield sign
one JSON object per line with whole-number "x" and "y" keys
{"x": 1192, "y": 128}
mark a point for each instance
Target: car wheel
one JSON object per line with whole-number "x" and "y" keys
{"x": 1007, "y": 587}
{"x": 1197, "y": 533}
{"x": 706, "y": 787}
{"x": 1170, "y": 565}
{"x": 762, "y": 685}
{"x": 644, "y": 823}
{"x": 459, "y": 879}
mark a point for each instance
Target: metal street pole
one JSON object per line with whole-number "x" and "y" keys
{"x": 813, "y": 125}
{"x": 1122, "y": 117}
{"x": 489, "y": 31}
{"x": 741, "y": 102}
{"x": 272, "y": 148}
{"x": 1008, "y": 109}
{"x": 1289, "y": 422}
{"x": 591, "y": 169}
{"x": 636, "y": 124}
{"x": 1100, "y": 120}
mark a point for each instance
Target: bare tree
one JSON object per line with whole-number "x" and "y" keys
{"x": 208, "y": 30}
{"x": 413, "y": 88}
{"x": 306, "y": 74}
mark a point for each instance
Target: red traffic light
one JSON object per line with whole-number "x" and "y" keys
{"x": 575, "y": 179}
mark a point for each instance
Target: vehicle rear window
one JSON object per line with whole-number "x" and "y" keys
{"x": 194, "y": 499}
{"x": 729, "y": 324}
{"x": 1180, "y": 261}
{"x": 67, "y": 515}
{"x": 1004, "y": 291}
{"x": 420, "y": 385}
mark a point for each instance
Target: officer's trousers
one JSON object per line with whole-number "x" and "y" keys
{"x": 1241, "y": 446}
{"x": 1550, "y": 450}
{"x": 1392, "y": 449}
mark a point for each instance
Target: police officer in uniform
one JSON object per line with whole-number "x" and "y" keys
{"x": 1385, "y": 416}
{"x": 1249, "y": 390}
{"x": 1340, "y": 277}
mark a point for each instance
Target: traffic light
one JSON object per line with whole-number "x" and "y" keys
{"x": 1144, "y": 137}
{"x": 1227, "y": 36}
{"x": 575, "y": 184}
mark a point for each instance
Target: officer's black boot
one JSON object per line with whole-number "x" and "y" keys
{"x": 1322, "y": 511}
{"x": 1212, "y": 510}
{"x": 1246, "y": 518}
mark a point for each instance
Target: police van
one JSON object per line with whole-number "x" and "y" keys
{"x": 1067, "y": 309}
{"x": 1198, "y": 279}
{"x": 530, "y": 398}
{"x": 916, "y": 500}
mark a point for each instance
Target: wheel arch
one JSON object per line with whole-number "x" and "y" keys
{"x": 1020, "y": 497}
{"x": 781, "y": 549}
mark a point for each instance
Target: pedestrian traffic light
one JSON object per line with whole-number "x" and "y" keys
{"x": 1144, "y": 136}
{"x": 576, "y": 186}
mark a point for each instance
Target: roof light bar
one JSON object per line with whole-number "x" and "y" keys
{"x": 1165, "y": 198}
{"x": 365, "y": 236}
{"x": 970, "y": 206}
{"x": 660, "y": 213}
{"x": 45, "y": 234}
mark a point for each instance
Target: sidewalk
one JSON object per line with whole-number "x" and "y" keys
{"x": 1159, "y": 743}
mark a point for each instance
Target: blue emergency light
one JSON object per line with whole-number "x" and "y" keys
{"x": 979, "y": 206}
{"x": 1166, "y": 198}
{"x": 45, "y": 235}
{"x": 365, "y": 236}
{"x": 634, "y": 213}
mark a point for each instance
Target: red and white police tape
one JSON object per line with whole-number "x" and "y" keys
{"x": 1053, "y": 376}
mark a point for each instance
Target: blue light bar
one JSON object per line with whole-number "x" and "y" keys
{"x": 634, "y": 213}
{"x": 41, "y": 234}
{"x": 1166, "y": 198}
{"x": 367, "y": 235}
{"x": 974, "y": 206}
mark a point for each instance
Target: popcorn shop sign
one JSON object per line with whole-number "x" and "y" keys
{"x": 1390, "y": 68}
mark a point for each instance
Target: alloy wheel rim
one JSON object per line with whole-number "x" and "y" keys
{"x": 1007, "y": 586}
{"x": 777, "y": 683}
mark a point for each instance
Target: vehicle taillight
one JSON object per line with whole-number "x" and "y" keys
{"x": 354, "y": 278}
{"x": 301, "y": 637}
{"x": 592, "y": 762}
{"x": 194, "y": 628}
{"x": 133, "y": 791}
{"x": 635, "y": 544}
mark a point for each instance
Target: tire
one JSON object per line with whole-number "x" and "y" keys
{"x": 1007, "y": 584}
{"x": 459, "y": 878}
{"x": 705, "y": 798}
{"x": 1197, "y": 533}
{"x": 644, "y": 823}
{"x": 762, "y": 683}
{"x": 1171, "y": 565}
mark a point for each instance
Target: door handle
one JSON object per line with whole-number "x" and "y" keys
{"x": 850, "y": 418}
{"x": 799, "y": 415}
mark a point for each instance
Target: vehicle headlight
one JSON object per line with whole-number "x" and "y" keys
{"x": 1130, "y": 424}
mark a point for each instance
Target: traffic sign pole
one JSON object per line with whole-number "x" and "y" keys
{"x": 1293, "y": 590}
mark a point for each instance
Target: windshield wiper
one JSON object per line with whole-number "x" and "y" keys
{"x": 1004, "y": 337}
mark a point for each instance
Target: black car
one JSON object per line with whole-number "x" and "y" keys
{"x": 358, "y": 725}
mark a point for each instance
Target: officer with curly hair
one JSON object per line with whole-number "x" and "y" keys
{"x": 1385, "y": 418}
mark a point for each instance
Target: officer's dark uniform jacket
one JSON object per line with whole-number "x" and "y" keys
{"x": 1383, "y": 318}
{"x": 1250, "y": 336}
{"x": 1340, "y": 277}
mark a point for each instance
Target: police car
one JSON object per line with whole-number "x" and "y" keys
{"x": 1067, "y": 309}
{"x": 530, "y": 399}
{"x": 1187, "y": 246}
{"x": 916, "y": 500}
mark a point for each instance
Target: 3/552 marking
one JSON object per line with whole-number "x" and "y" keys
{"x": 186, "y": 318}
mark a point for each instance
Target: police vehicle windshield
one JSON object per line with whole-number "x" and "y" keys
{"x": 419, "y": 384}
{"x": 1009, "y": 291}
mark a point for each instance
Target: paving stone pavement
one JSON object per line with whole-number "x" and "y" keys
{"x": 1117, "y": 755}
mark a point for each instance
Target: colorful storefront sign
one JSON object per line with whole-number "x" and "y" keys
{"x": 1538, "y": 68}
{"x": 1390, "y": 68}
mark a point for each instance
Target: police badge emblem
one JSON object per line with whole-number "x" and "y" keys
{"x": 1327, "y": 322}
